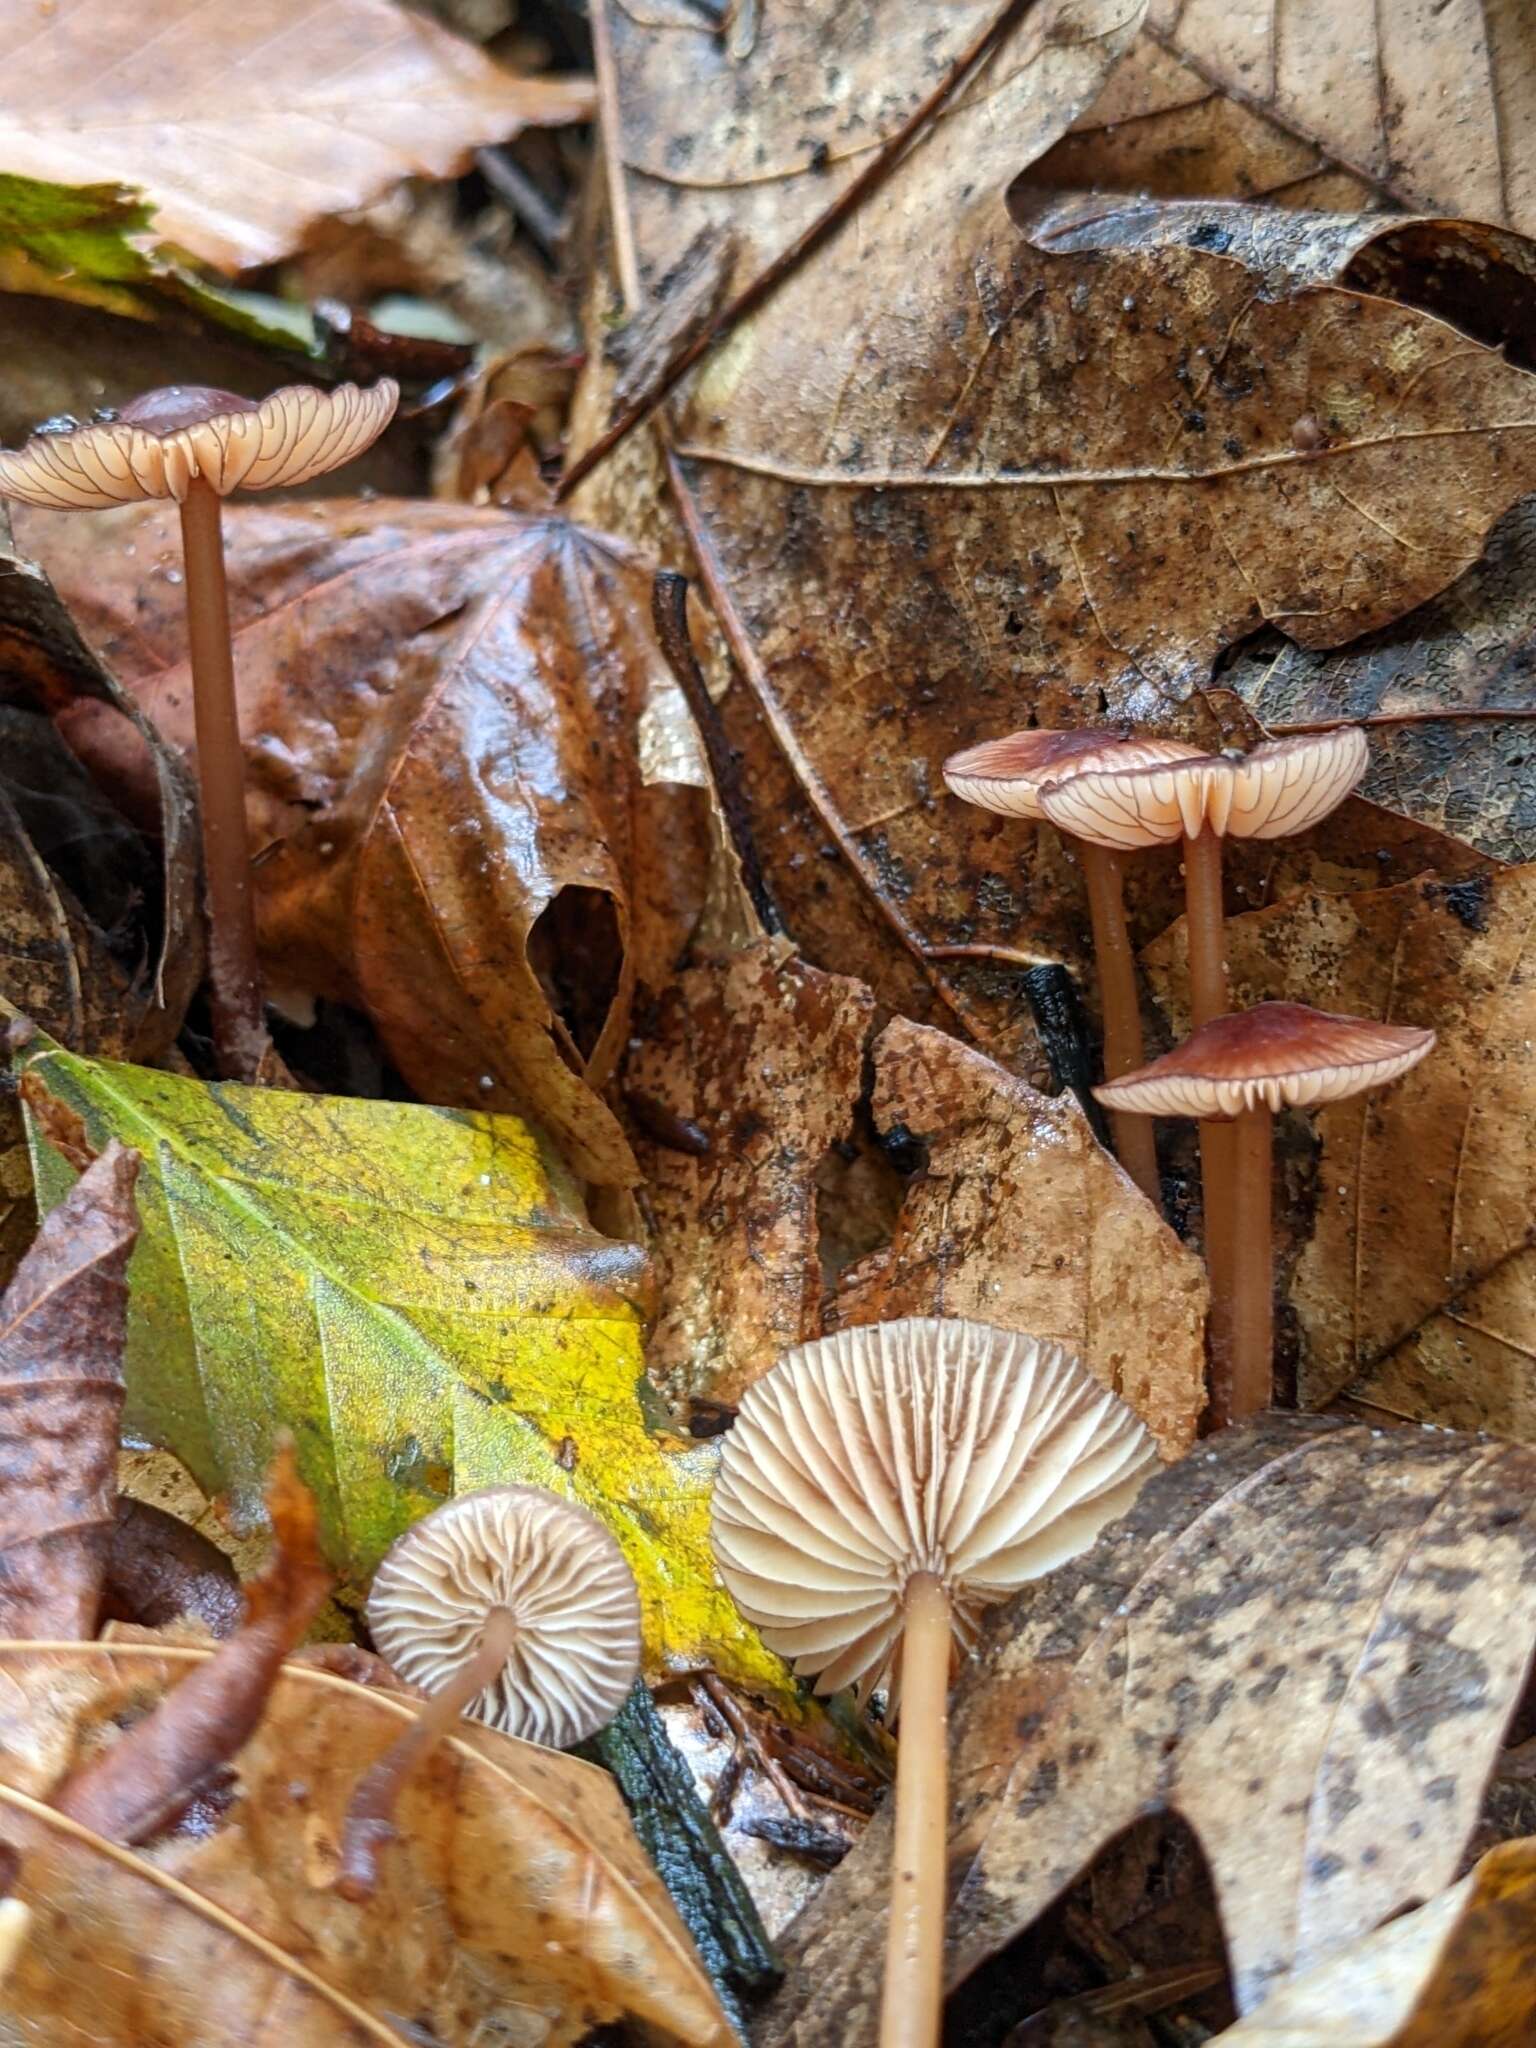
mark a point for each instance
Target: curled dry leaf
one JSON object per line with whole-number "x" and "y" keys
{"x": 1456, "y": 1969}
{"x": 264, "y": 120}
{"x": 424, "y": 1304}
{"x": 63, "y": 1322}
{"x": 1305, "y": 1639}
{"x": 440, "y": 708}
{"x": 161, "y": 1570}
{"x": 1414, "y": 1278}
{"x": 783, "y": 1226}
{"x": 515, "y": 1898}
{"x": 128, "y": 1792}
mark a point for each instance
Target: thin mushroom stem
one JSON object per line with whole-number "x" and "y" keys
{"x": 1134, "y": 1141}
{"x": 370, "y": 1813}
{"x": 912, "y": 2004}
{"x": 1252, "y": 1277}
{"x": 234, "y": 978}
{"x": 1205, "y": 928}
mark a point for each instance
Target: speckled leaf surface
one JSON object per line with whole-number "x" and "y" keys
{"x": 1306, "y": 1639}
{"x": 418, "y": 1296}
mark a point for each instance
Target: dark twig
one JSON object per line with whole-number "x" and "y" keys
{"x": 669, "y": 612}
{"x": 1063, "y": 1033}
{"x": 751, "y": 295}
{"x": 1453, "y": 717}
{"x": 522, "y": 198}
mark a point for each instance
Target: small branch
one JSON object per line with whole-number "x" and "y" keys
{"x": 1468, "y": 712}
{"x": 669, "y": 612}
{"x": 768, "y": 279}
{"x": 522, "y": 198}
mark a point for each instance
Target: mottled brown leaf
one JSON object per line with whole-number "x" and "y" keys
{"x": 245, "y": 121}
{"x": 1415, "y": 1277}
{"x": 443, "y": 713}
{"x": 1457, "y": 1969}
{"x": 131, "y": 1789}
{"x": 1018, "y": 1217}
{"x": 63, "y": 1321}
{"x": 764, "y": 1057}
{"x": 515, "y": 1898}
{"x": 1306, "y": 1639}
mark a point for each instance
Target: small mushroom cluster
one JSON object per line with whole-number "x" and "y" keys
{"x": 1112, "y": 796}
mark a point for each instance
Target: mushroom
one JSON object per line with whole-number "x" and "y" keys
{"x": 1245, "y": 1067}
{"x": 1007, "y": 776}
{"x": 196, "y": 446}
{"x": 879, "y": 1489}
{"x": 510, "y": 1603}
{"x": 1283, "y": 786}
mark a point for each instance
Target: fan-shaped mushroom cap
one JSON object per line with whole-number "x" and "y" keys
{"x": 925, "y": 1445}
{"x": 1281, "y": 787}
{"x": 1274, "y": 1055}
{"x": 160, "y": 442}
{"x": 1007, "y": 775}
{"x": 560, "y": 1575}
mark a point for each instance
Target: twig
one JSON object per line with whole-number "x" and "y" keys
{"x": 1466, "y": 711}
{"x": 1058, "y": 1015}
{"x": 512, "y": 184}
{"x": 730, "y": 1712}
{"x": 773, "y": 274}
{"x": 669, "y": 612}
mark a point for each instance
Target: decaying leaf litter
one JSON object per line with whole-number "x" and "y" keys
{"x": 645, "y": 1011}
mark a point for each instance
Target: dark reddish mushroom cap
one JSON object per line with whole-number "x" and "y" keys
{"x": 1276, "y": 1055}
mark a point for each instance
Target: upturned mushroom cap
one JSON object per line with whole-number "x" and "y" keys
{"x": 563, "y": 1579}
{"x": 925, "y": 1445}
{"x": 1007, "y": 775}
{"x": 1276, "y": 1055}
{"x": 1281, "y": 787}
{"x": 160, "y": 442}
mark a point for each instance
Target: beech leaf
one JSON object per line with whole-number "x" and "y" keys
{"x": 418, "y": 1296}
{"x": 515, "y": 1893}
{"x": 63, "y": 1321}
{"x": 1306, "y": 1639}
{"x": 244, "y": 123}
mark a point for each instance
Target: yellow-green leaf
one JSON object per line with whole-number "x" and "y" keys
{"x": 418, "y": 1295}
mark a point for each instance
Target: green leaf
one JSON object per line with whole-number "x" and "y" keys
{"x": 417, "y": 1294}
{"x": 92, "y": 245}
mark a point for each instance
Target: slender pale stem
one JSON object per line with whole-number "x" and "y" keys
{"x": 234, "y": 979}
{"x": 1208, "y": 999}
{"x": 1122, "y": 1010}
{"x": 1253, "y": 1314}
{"x": 912, "y": 2005}
{"x": 370, "y": 1812}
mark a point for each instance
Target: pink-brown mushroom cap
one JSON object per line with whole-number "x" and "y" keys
{"x": 1282, "y": 787}
{"x": 1278, "y": 1055}
{"x": 1007, "y": 775}
{"x": 159, "y": 443}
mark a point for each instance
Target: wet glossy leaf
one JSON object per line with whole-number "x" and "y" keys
{"x": 418, "y": 1295}
{"x": 1306, "y": 1639}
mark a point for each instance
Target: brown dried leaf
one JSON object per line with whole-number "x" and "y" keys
{"x": 516, "y": 1896}
{"x": 1457, "y": 1969}
{"x": 1305, "y": 1639}
{"x": 63, "y": 1322}
{"x": 954, "y": 507}
{"x": 134, "y": 1787}
{"x": 442, "y": 710}
{"x": 1415, "y": 1279}
{"x": 249, "y": 119}
{"x": 1020, "y": 1218}
{"x": 792, "y": 1222}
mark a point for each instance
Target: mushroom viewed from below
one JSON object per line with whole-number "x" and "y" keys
{"x": 509, "y": 1603}
{"x": 879, "y": 1489}
{"x": 1245, "y": 1067}
{"x": 1007, "y": 776}
{"x": 1282, "y": 787}
{"x": 197, "y": 445}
